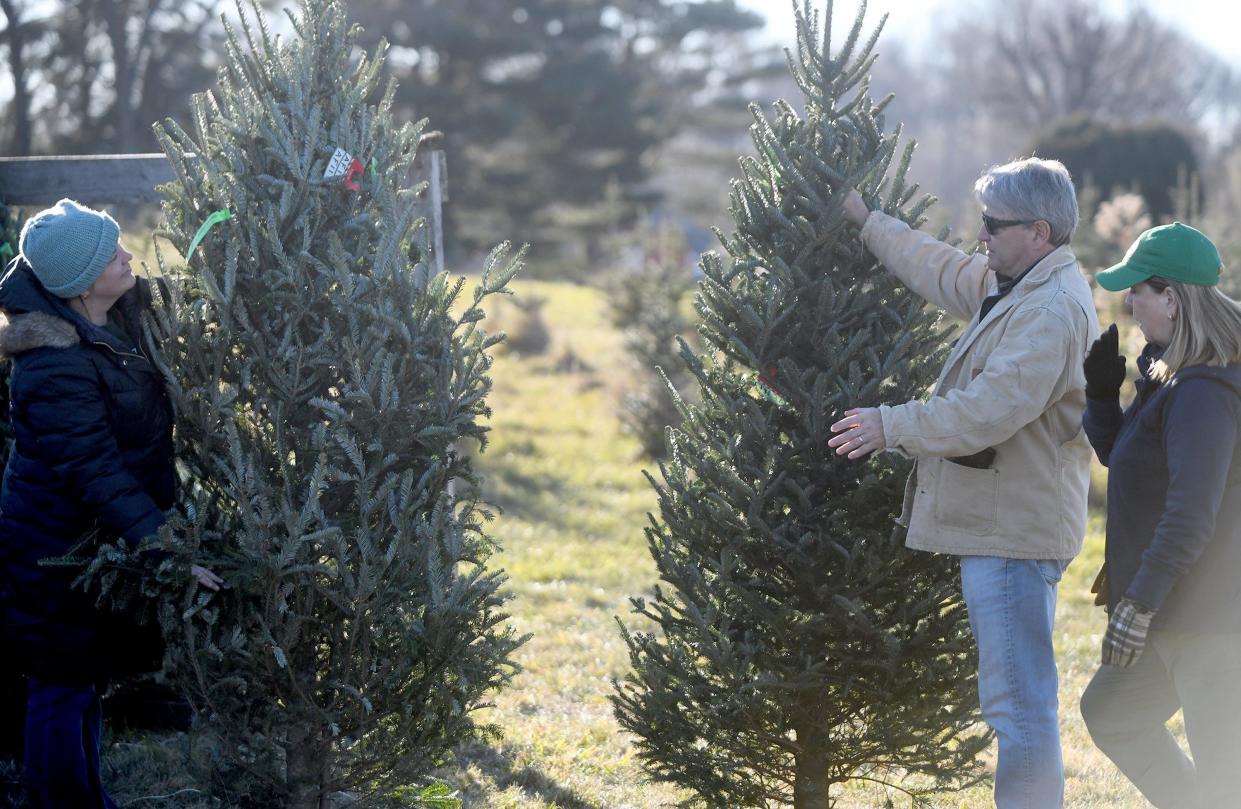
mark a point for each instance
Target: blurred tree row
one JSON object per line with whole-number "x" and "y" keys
{"x": 1000, "y": 79}
{"x": 1150, "y": 159}
{"x": 543, "y": 102}
{"x": 91, "y": 76}
{"x": 548, "y": 104}
{"x": 1034, "y": 62}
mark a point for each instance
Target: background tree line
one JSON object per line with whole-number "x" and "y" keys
{"x": 567, "y": 122}
{"x": 543, "y": 103}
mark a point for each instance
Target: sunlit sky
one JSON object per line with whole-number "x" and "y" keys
{"x": 1214, "y": 23}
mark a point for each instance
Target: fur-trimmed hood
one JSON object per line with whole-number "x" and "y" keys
{"x": 32, "y": 318}
{"x": 26, "y": 332}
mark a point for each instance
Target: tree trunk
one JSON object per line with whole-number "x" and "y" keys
{"x": 812, "y": 784}
{"x": 21, "y": 93}
{"x": 305, "y": 769}
{"x": 306, "y": 741}
{"x": 79, "y": 31}
{"x": 115, "y": 16}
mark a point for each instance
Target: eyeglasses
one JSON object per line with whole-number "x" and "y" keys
{"x": 994, "y": 225}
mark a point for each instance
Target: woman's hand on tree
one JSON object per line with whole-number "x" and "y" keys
{"x": 856, "y": 209}
{"x": 206, "y": 578}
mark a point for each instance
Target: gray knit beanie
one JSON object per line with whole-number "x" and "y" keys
{"x": 68, "y": 245}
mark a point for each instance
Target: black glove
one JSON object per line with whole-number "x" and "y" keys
{"x": 979, "y": 460}
{"x": 1105, "y": 366}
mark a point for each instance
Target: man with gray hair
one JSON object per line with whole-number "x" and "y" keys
{"x": 1002, "y": 465}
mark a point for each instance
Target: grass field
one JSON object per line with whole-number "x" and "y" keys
{"x": 574, "y": 503}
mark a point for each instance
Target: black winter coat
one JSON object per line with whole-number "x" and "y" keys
{"x": 1174, "y": 496}
{"x": 92, "y": 452}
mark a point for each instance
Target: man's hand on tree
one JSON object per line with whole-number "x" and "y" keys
{"x": 855, "y": 209}
{"x": 1104, "y": 366}
{"x": 860, "y": 433}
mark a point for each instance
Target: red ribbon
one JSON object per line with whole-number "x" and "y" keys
{"x": 767, "y": 378}
{"x": 356, "y": 169}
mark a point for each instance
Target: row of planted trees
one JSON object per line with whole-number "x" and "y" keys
{"x": 328, "y": 393}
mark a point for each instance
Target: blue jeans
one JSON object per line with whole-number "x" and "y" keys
{"x": 1012, "y": 605}
{"x": 62, "y": 747}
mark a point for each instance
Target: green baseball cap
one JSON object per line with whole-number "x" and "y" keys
{"x": 1176, "y": 251}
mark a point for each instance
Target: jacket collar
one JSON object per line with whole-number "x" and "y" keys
{"x": 1039, "y": 274}
{"x": 1229, "y": 374}
{"x": 1042, "y": 270}
{"x": 22, "y": 333}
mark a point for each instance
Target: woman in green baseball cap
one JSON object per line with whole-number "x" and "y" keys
{"x": 1173, "y": 551}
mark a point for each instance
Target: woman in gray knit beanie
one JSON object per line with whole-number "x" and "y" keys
{"x": 69, "y": 245}
{"x": 92, "y": 455}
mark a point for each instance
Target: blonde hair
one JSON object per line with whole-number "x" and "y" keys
{"x": 1207, "y": 330}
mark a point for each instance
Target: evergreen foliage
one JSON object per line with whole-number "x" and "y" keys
{"x": 10, "y": 231}
{"x": 648, "y": 306}
{"x": 543, "y": 105}
{"x": 799, "y": 644}
{"x": 325, "y": 397}
{"x": 1149, "y": 158}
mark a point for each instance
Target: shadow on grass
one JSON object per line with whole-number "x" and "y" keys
{"x": 495, "y": 764}
{"x": 533, "y": 498}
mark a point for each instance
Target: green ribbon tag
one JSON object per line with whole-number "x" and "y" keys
{"x": 212, "y": 220}
{"x": 775, "y": 165}
{"x": 374, "y": 173}
{"x": 770, "y": 395}
{"x": 768, "y": 391}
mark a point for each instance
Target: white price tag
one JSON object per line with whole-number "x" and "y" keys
{"x": 338, "y": 165}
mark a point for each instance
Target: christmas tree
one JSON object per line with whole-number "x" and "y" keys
{"x": 798, "y": 644}
{"x": 327, "y": 388}
{"x": 648, "y": 306}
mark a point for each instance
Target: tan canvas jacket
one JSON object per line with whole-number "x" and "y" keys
{"x": 1012, "y": 382}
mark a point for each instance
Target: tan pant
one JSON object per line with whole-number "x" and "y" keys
{"x": 1126, "y": 711}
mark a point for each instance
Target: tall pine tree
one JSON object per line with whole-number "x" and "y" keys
{"x": 799, "y": 644}
{"x": 325, "y": 389}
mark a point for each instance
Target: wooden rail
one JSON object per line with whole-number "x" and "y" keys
{"x": 133, "y": 178}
